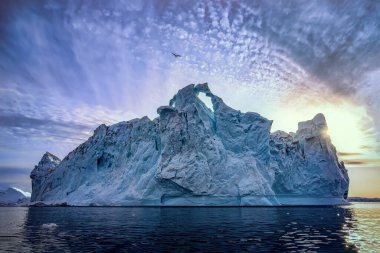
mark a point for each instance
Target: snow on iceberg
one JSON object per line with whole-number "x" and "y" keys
{"x": 196, "y": 154}
{"x": 13, "y": 196}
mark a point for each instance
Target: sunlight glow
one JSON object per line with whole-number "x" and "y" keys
{"x": 344, "y": 121}
{"x": 349, "y": 127}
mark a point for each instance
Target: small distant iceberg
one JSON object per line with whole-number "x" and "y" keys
{"x": 26, "y": 194}
{"x": 13, "y": 196}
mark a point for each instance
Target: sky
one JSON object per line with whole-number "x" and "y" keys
{"x": 68, "y": 66}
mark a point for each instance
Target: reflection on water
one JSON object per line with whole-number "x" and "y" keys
{"x": 320, "y": 229}
{"x": 362, "y": 230}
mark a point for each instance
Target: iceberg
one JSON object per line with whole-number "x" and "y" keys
{"x": 13, "y": 196}
{"x": 195, "y": 154}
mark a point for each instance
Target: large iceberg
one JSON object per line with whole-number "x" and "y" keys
{"x": 193, "y": 155}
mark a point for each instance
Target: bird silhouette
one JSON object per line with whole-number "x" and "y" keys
{"x": 176, "y": 55}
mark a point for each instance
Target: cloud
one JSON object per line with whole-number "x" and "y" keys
{"x": 366, "y": 147}
{"x": 21, "y": 121}
{"x": 15, "y": 177}
{"x": 14, "y": 170}
{"x": 348, "y": 154}
{"x": 66, "y": 67}
{"x": 354, "y": 162}
{"x": 372, "y": 162}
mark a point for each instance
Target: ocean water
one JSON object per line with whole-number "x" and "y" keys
{"x": 354, "y": 228}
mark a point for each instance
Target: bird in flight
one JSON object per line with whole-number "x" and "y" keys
{"x": 176, "y": 55}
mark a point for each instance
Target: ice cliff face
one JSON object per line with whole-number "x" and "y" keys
{"x": 41, "y": 171}
{"x": 193, "y": 155}
{"x": 306, "y": 162}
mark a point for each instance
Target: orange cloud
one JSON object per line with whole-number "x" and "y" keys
{"x": 362, "y": 161}
{"x": 348, "y": 154}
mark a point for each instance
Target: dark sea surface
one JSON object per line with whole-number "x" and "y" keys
{"x": 354, "y": 228}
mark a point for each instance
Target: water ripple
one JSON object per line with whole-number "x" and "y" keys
{"x": 354, "y": 228}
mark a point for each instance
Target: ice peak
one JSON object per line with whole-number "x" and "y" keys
{"x": 47, "y": 164}
{"x": 49, "y": 157}
{"x": 189, "y": 95}
{"x": 320, "y": 120}
{"x": 203, "y": 87}
{"x": 184, "y": 97}
{"x": 314, "y": 127}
